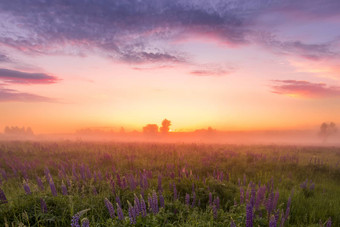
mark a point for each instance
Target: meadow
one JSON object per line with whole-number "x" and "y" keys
{"x": 150, "y": 184}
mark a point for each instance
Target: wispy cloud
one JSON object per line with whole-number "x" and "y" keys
{"x": 14, "y": 76}
{"x": 4, "y": 58}
{"x": 131, "y": 30}
{"x": 299, "y": 88}
{"x": 11, "y": 95}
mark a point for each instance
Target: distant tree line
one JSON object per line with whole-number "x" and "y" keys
{"x": 152, "y": 129}
{"x": 18, "y": 131}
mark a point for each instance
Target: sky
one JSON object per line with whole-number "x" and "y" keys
{"x": 228, "y": 64}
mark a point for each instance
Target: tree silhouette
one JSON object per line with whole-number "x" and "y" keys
{"x": 150, "y": 129}
{"x": 165, "y": 126}
{"x": 327, "y": 129}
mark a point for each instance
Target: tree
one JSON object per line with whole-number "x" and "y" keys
{"x": 150, "y": 129}
{"x": 165, "y": 126}
{"x": 327, "y": 129}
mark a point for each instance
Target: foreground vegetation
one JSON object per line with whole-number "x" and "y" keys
{"x": 111, "y": 184}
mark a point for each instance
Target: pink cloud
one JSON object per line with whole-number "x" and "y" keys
{"x": 299, "y": 88}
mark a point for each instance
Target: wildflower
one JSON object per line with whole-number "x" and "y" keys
{"x": 43, "y": 206}
{"x": 85, "y": 222}
{"x": 3, "y": 198}
{"x": 210, "y": 199}
{"x": 132, "y": 214}
{"x": 249, "y": 215}
{"x": 214, "y": 209}
{"x": 40, "y": 184}
{"x": 142, "y": 206}
{"x": 329, "y": 223}
{"x": 187, "y": 199}
{"x": 161, "y": 200}
{"x": 52, "y": 186}
{"x": 75, "y": 221}
{"x": 109, "y": 207}
{"x": 194, "y": 199}
{"x": 118, "y": 201}
{"x": 63, "y": 189}
{"x": 232, "y": 224}
{"x": 27, "y": 188}
{"x": 120, "y": 212}
{"x": 272, "y": 222}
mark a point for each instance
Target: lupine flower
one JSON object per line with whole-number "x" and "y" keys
{"x": 52, "y": 186}
{"x": 161, "y": 200}
{"x": 43, "y": 206}
{"x": 210, "y": 199}
{"x": 242, "y": 195}
{"x": 40, "y": 184}
{"x": 249, "y": 215}
{"x": 27, "y": 188}
{"x": 175, "y": 192}
{"x": 63, "y": 189}
{"x": 232, "y": 224}
{"x": 3, "y": 198}
{"x": 142, "y": 206}
{"x": 132, "y": 214}
{"x": 118, "y": 201}
{"x": 253, "y": 195}
{"x": 272, "y": 222}
{"x": 269, "y": 205}
{"x": 137, "y": 206}
{"x": 155, "y": 202}
{"x": 94, "y": 190}
{"x": 85, "y": 222}
{"x": 276, "y": 198}
{"x": 109, "y": 207}
{"x": 187, "y": 199}
{"x": 312, "y": 186}
{"x": 75, "y": 221}
{"x": 160, "y": 188}
{"x": 329, "y": 223}
{"x": 217, "y": 202}
{"x": 194, "y": 199}
{"x": 120, "y": 212}
{"x": 214, "y": 209}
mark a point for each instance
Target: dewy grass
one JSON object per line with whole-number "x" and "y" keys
{"x": 116, "y": 184}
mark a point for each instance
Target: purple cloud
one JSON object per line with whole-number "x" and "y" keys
{"x": 307, "y": 89}
{"x": 4, "y": 58}
{"x": 129, "y": 30}
{"x": 10, "y": 95}
{"x": 14, "y": 76}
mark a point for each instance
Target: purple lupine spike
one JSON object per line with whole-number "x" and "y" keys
{"x": 159, "y": 187}
{"x": 143, "y": 206}
{"x": 217, "y": 202}
{"x": 193, "y": 199}
{"x": 210, "y": 199}
{"x": 43, "y": 206}
{"x": 120, "y": 212}
{"x": 119, "y": 182}
{"x": 52, "y": 186}
{"x": 232, "y": 224}
{"x": 175, "y": 192}
{"x": 40, "y": 184}
{"x": 214, "y": 210}
{"x": 272, "y": 222}
{"x": 269, "y": 204}
{"x": 85, "y": 222}
{"x": 27, "y": 189}
{"x": 3, "y": 198}
{"x": 329, "y": 222}
{"x": 249, "y": 215}
{"x": 253, "y": 195}
{"x": 241, "y": 195}
{"x": 137, "y": 206}
{"x": 75, "y": 221}
{"x": 94, "y": 190}
{"x": 312, "y": 186}
{"x": 109, "y": 207}
{"x": 47, "y": 174}
{"x": 276, "y": 198}
{"x": 132, "y": 214}
{"x": 187, "y": 199}
{"x": 161, "y": 200}
{"x": 63, "y": 189}
{"x": 118, "y": 201}
{"x": 155, "y": 202}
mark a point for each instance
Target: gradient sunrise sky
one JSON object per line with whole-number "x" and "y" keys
{"x": 229, "y": 64}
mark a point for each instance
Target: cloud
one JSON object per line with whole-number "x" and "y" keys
{"x": 4, "y": 58}
{"x": 10, "y": 95}
{"x": 14, "y": 76}
{"x": 208, "y": 72}
{"x": 137, "y": 31}
{"x": 299, "y": 88}
{"x": 308, "y": 51}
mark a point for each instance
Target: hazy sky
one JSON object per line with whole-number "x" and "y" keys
{"x": 229, "y": 64}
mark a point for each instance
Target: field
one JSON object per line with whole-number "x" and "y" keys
{"x": 141, "y": 184}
